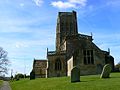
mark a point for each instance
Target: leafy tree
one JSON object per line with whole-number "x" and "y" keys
{"x": 117, "y": 66}
{"x": 20, "y": 75}
{"x": 4, "y": 62}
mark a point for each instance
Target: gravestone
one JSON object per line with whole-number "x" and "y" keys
{"x": 106, "y": 71}
{"x": 75, "y": 74}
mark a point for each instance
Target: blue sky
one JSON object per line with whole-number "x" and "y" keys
{"x": 27, "y": 27}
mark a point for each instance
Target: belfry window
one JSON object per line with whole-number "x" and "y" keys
{"x": 58, "y": 64}
{"x": 88, "y": 57}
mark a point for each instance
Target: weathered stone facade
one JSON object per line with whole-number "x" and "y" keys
{"x": 56, "y": 64}
{"x": 74, "y": 49}
{"x": 40, "y": 68}
{"x": 79, "y": 50}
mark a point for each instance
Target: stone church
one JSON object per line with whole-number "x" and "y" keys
{"x": 73, "y": 49}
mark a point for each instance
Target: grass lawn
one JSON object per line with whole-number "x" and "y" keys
{"x": 91, "y": 82}
{"x": 1, "y": 81}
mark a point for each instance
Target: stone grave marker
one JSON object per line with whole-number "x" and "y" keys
{"x": 75, "y": 74}
{"x": 106, "y": 71}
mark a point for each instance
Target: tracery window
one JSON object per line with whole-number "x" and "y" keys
{"x": 88, "y": 57}
{"x": 58, "y": 64}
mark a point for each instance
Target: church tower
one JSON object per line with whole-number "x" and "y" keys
{"x": 66, "y": 26}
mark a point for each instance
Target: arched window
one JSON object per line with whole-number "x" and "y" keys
{"x": 58, "y": 64}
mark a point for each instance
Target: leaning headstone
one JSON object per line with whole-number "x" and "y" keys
{"x": 106, "y": 71}
{"x": 32, "y": 75}
{"x": 75, "y": 74}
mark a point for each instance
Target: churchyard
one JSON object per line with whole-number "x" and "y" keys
{"x": 90, "y": 82}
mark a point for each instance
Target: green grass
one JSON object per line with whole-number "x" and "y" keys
{"x": 91, "y": 82}
{"x": 1, "y": 81}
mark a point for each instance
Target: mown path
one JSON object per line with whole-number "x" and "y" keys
{"x": 5, "y": 86}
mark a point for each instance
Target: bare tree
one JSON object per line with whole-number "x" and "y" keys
{"x": 3, "y": 61}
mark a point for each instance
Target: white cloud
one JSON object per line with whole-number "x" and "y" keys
{"x": 21, "y": 4}
{"x": 61, "y": 4}
{"x": 15, "y": 30}
{"x": 38, "y": 2}
{"x": 69, "y": 4}
{"x": 20, "y": 45}
{"x": 20, "y": 65}
{"x": 113, "y": 2}
{"x": 81, "y": 2}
